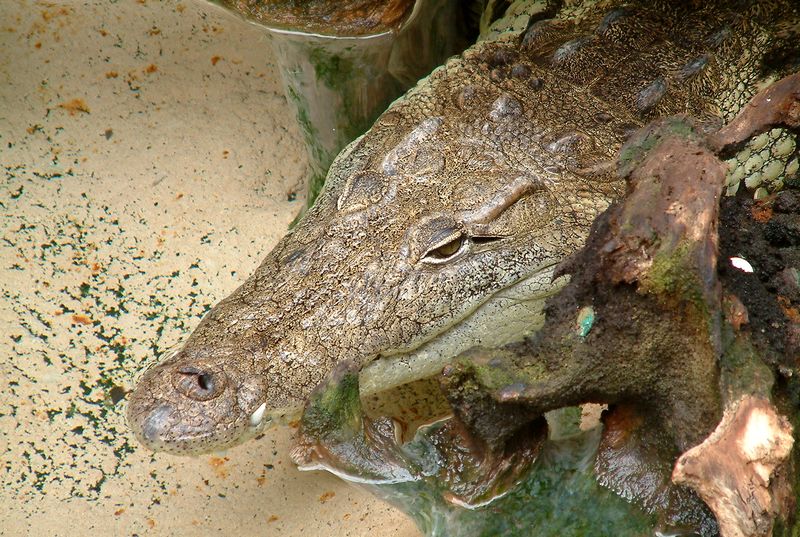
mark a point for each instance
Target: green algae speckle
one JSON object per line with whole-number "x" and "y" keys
{"x": 319, "y": 159}
{"x": 332, "y": 70}
{"x": 741, "y": 370}
{"x": 498, "y": 372}
{"x": 672, "y": 275}
{"x": 335, "y": 409}
{"x": 634, "y": 152}
{"x": 492, "y": 376}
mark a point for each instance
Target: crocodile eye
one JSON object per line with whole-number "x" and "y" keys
{"x": 446, "y": 251}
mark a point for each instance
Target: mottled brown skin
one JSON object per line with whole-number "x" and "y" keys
{"x": 490, "y": 171}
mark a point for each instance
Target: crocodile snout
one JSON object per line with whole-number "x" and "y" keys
{"x": 190, "y": 404}
{"x": 154, "y": 424}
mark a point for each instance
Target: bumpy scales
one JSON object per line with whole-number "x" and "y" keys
{"x": 439, "y": 228}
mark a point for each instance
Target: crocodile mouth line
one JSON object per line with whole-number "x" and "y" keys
{"x": 538, "y": 272}
{"x": 426, "y": 359}
{"x": 514, "y": 304}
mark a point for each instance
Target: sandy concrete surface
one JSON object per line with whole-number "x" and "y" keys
{"x": 149, "y": 163}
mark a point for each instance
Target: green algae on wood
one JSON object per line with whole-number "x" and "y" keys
{"x": 671, "y": 277}
{"x": 335, "y": 409}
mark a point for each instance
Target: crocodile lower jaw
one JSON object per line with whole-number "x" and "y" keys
{"x": 508, "y": 315}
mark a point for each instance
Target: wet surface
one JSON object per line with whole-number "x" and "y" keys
{"x": 149, "y": 163}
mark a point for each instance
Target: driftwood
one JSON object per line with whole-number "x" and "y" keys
{"x": 741, "y": 470}
{"x": 649, "y": 325}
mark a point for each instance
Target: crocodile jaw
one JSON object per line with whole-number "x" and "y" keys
{"x": 507, "y": 316}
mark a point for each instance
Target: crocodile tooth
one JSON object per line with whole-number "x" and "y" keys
{"x": 258, "y": 415}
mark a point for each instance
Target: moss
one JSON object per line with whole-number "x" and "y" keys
{"x": 334, "y": 409}
{"x": 492, "y": 375}
{"x": 565, "y": 422}
{"x": 319, "y": 159}
{"x": 741, "y": 369}
{"x": 635, "y": 151}
{"x": 499, "y": 371}
{"x": 337, "y": 73}
{"x": 673, "y": 276}
{"x": 331, "y": 69}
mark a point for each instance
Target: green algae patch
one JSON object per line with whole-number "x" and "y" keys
{"x": 332, "y": 70}
{"x": 319, "y": 159}
{"x": 673, "y": 276}
{"x": 335, "y": 409}
{"x": 498, "y": 372}
{"x": 337, "y": 87}
{"x": 742, "y": 371}
{"x": 636, "y": 150}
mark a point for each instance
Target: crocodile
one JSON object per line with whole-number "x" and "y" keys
{"x": 439, "y": 229}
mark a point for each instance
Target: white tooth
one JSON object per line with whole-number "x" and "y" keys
{"x": 258, "y": 415}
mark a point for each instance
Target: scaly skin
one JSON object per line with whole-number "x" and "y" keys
{"x": 439, "y": 228}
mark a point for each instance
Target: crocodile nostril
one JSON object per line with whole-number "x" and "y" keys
{"x": 198, "y": 384}
{"x": 205, "y": 381}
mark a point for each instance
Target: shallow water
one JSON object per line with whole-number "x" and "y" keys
{"x": 559, "y": 496}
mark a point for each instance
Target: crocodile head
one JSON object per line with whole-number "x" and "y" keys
{"x": 437, "y": 230}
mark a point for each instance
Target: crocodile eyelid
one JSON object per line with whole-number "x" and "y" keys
{"x": 428, "y": 233}
{"x": 447, "y": 249}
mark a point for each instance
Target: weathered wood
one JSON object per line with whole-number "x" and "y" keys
{"x": 743, "y": 471}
